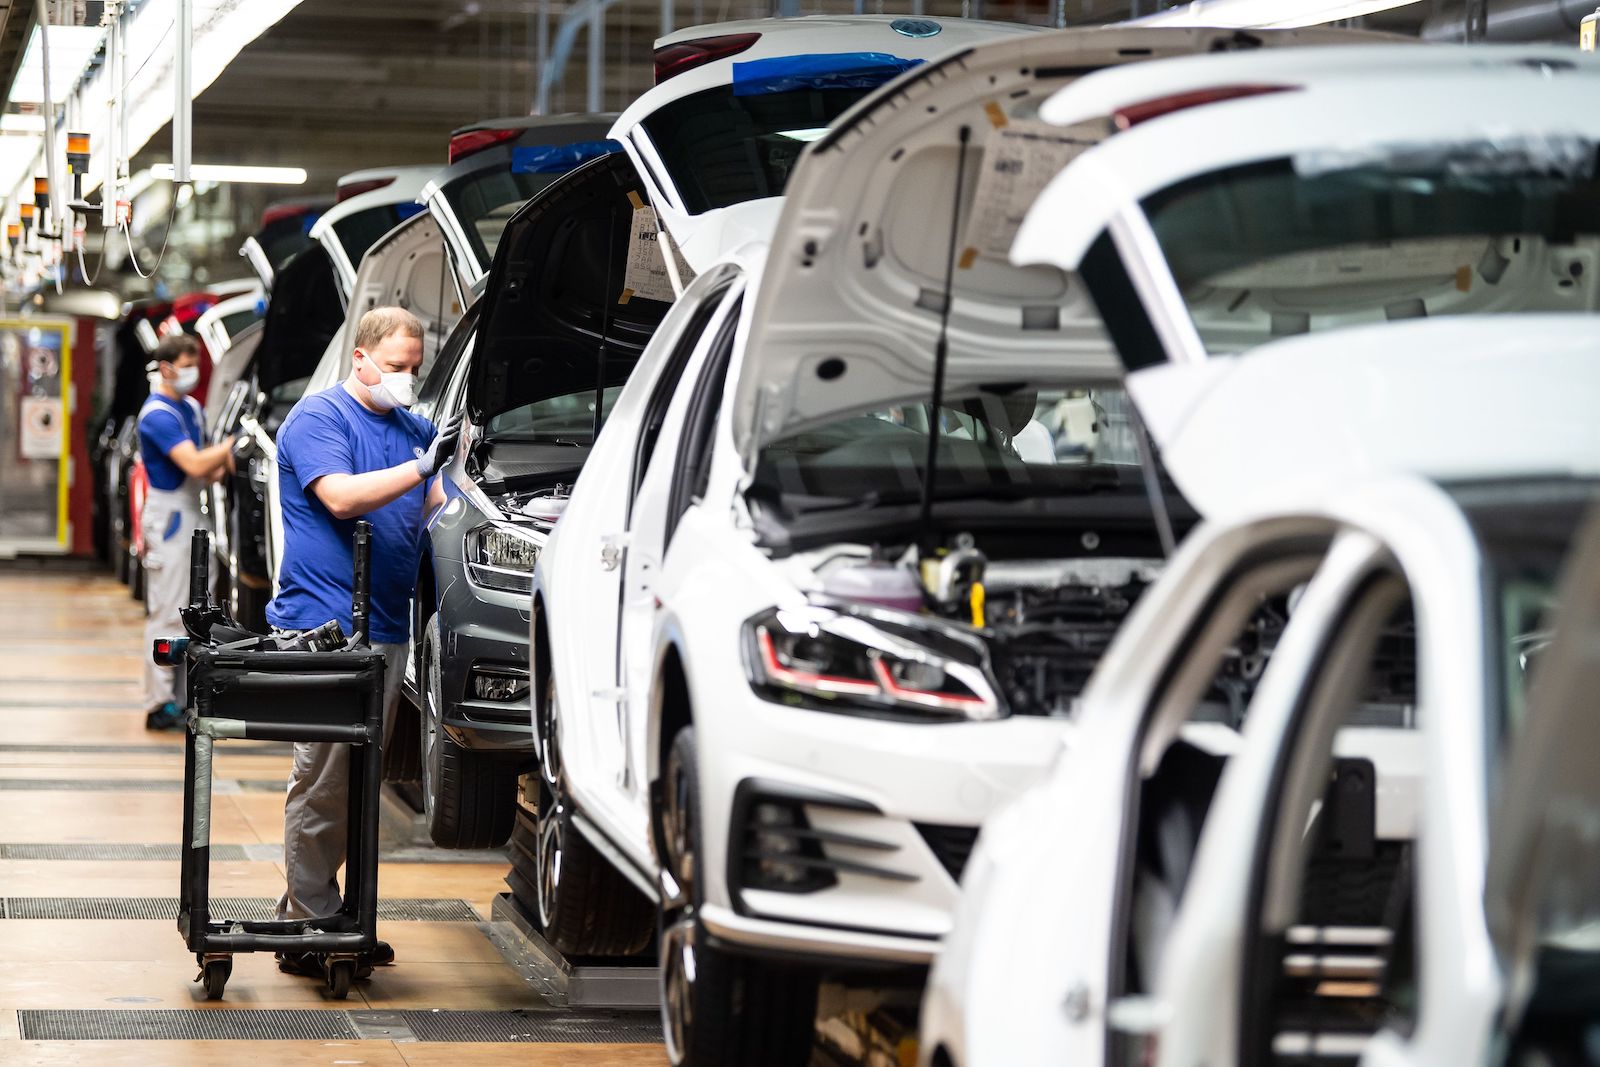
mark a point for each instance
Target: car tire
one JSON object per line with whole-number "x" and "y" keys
{"x": 136, "y": 578}
{"x": 119, "y": 561}
{"x": 469, "y": 798}
{"x": 719, "y": 1009}
{"x": 584, "y": 905}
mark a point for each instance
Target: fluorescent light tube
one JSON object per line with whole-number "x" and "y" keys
{"x": 216, "y": 172}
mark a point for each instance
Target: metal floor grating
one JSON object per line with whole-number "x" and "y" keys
{"x": 235, "y": 748}
{"x": 219, "y": 786}
{"x": 143, "y": 1024}
{"x": 242, "y": 908}
{"x": 112, "y": 853}
{"x": 281, "y": 1024}
{"x": 544, "y": 1027}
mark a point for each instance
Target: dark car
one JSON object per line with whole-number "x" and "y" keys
{"x": 533, "y": 367}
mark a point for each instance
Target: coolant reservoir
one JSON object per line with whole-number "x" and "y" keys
{"x": 883, "y": 585}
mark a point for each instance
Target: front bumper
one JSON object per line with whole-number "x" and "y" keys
{"x": 888, "y": 814}
{"x": 483, "y": 630}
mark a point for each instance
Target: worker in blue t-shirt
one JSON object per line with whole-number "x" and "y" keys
{"x": 170, "y": 435}
{"x": 350, "y": 452}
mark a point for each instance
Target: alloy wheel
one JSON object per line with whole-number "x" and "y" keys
{"x": 679, "y": 920}
{"x": 549, "y": 746}
{"x": 551, "y": 829}
{"x": 432, "y": 715}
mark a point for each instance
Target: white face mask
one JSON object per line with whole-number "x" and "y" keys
{"x": 396, "y": 390}
{"x": 187, "y": 378}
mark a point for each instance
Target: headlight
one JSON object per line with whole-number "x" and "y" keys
{"x": 869, "y": 663}
{"x": 502, "y": 557}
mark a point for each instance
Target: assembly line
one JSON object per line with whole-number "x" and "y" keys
{"x": 916, "y": 539}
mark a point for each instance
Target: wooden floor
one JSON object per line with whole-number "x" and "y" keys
{"x": 70, "y": 712}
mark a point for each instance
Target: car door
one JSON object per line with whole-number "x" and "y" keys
{"x": 659, "y": 463}
{"x": 602, "y": 522}
{"x": 1240, "y": 979}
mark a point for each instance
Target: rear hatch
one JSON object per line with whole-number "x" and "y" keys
{"x": 576, "y": 290}
{"x": 736, "y": 103}
{"x": 849, "y": 313}
{"x": 1209, "y": 250}
{"x": 380, "y": 200}
{"x": 304, "y": 314}
{"x": 495, "y": 167}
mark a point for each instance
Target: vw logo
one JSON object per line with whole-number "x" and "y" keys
{"x": 915, "y": 27}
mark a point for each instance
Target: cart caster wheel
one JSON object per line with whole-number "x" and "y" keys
{"x": 340, "y": 974}
{"x": 215, "y": 976}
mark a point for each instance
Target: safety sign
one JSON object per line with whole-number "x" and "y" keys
{"x": 41, "y": 427}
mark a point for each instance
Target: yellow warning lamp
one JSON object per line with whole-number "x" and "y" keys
{"x": 41, "y": 195}
{"x": 26, "y": 210}
{"x": 77, "y": 151}
{"x": 1588, "y": 30}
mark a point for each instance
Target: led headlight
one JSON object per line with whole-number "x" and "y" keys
{"x": 502, "y": 557}
{"x": 870, "y": 663}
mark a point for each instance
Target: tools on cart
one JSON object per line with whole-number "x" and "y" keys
{"x": 316, "y": 686}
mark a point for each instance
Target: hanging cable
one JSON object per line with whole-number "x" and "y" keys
{"x": 133, "y": 257}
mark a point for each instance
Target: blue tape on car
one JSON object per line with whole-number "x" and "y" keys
{"x": 835, "y": 70}
{"x": 405, "y": 211}
{"x": 558, "y": 158}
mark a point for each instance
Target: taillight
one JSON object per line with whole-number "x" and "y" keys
{"x": 349, "y": 189}
{"x": 1133, "y": 114}
{"x": 674, "y": 59}
{"x": 465, "y": 144}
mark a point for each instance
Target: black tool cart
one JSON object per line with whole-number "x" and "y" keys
{"x": 320, "y": 686}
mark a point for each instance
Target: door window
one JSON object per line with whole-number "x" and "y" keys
{"x": 666, "y": 385}
{"x": 694, "y": 446}
{"x": 1190, "y": 729}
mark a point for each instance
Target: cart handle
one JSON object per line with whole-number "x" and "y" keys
{"x": 361, "y": 601}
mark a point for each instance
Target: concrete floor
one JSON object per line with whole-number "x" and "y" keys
{"x": 70, "y": 711}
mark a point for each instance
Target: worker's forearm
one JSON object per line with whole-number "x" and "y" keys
{"x": 203, "y": 462}
{"x": 349, "y": 496}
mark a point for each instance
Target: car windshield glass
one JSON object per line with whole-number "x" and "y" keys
{"x": 361, "y": 231}
{"x": 568, "y": 419}
{"x": 721, "y": 149}
{"x": 1329, "y": 241}
{"x": 484, "y": 201}
{"x": 1020, "y": 443}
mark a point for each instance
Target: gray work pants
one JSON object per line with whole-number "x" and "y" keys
{"x": 168, "y": 523}
{"x": 315, "y": 831}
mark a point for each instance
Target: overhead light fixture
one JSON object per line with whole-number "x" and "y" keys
{"x": 218, "y": 172}
{"x": 1267, "y": 14}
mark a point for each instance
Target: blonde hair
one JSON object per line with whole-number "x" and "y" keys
{"x": 380, "y": 322}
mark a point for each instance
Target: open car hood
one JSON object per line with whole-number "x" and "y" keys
{"x": 848, "y": 315}
{"x": 1449, "y": 398}
{"x": 560, "y": 293}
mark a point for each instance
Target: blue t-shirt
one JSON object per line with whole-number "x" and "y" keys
{"x": 331, "y": 432}
{"x": 163, "y": 422}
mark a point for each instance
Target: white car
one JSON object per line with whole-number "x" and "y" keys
{"x": 1365, "y": 348}
{"x": 735, "y": 103}
{"x": 742, "y": 708}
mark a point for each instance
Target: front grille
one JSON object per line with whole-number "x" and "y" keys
{"x": 951, "y": 845}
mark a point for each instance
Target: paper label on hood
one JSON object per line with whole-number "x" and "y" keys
{"x": 645, "y": 275}
{"x": 1018, "y": 161}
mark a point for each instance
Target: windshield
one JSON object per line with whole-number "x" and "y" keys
{"x": 361, "y": 231}
{"x": 1020, "y": 443}
{"x": 721, "y": 148}
{"x": 568, "y": 419}
{"x": 1324, "y": 242}
{"x": 483, "y": 202}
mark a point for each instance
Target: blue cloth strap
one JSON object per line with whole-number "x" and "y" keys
{"x": 829, "y": 70}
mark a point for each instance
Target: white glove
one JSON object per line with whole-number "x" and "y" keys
{"x": 437, "y": 454}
